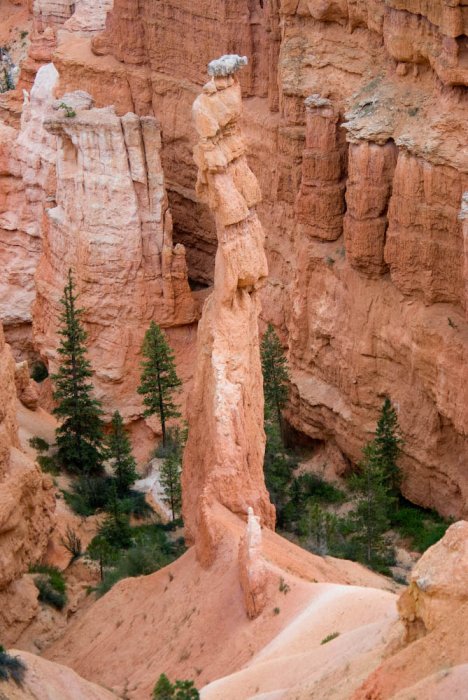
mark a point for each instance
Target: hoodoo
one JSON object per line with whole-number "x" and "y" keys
{"x": 223, "y": 462}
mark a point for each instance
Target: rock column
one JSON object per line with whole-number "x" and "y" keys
{"x": 223, "y": 461}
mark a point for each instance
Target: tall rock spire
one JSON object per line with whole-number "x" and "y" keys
{"x": 223, "y": 461}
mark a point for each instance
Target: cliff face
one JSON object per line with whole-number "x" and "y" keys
{"x": 356, "y": 132}
{"x": 362, "y": 191}
{"x": 26, "y": 503}
{"x": 111, "y": 225}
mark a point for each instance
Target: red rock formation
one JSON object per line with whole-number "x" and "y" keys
{"x": 223, "y": 460}
{"x": 113, "y": 228}
{"x": 434, "y": 611}
{"x": 26, "y": 506}
{"x": 397, "y": 278}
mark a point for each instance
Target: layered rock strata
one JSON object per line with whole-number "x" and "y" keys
{"x": 26, "y": 507}
{"x": 381, "y": 309}
{"x": 111, "y": 225}
{"x": 223, "y": 459}
{"x": 395, "y": 76}
{"x": 27, "y": 184}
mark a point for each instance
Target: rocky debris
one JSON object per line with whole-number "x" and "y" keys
{"x": 223, "y": 459}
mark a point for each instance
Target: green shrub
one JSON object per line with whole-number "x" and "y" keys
{"x": 11, "y": 667}
{"x": 180, "y": 690}
{"x": 39, "y": 372}
{"x": 423, "y": 527}
{"x": 135, "y": 504}
{"x": 51, "y": 585}
{"x": 330, "y": 637}
{"x": 89, "y": 494}
{"x": 39, "y": 444}
{"x": 150, "y": 551}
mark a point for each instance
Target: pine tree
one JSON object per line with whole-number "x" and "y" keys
{"x": 387, "y": 444}
{"x": 275, "y": 375}
{"x": 121, "y": 457}
{"x": 116, "y": 528}
{"x": 170, "y": 471}
{"x": 159, "y": 379}
{"x": 80, "y": 434}
{"x": 170, "y": 482}
{"x": 370, "y": 516}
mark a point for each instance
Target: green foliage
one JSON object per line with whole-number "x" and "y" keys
{"x": 39, "y": 444}
{"x": 69, "y": 111}
{"x": 159, "y": 378}
{"x": 275, "y": 375}
{"x": 120, "y": 456}
{"x": 11, "y": 667}
{"x": 39, "y": 372}
{"x": 423, "y": 527}
{"x": 88, "y": 494}
{"x": 387, "y": 443}
{"x": 150, "y": 550}
{"x": 279, "y": 465}
{"x": 369, "y": 519}
{"x": 80, "y": 434}
{"x": 180, "y": 690}
{"x": 116, "y": 528}
{"x": 51, "y": 585}
{"x": 319, "y": 530}
{"x": 330, "y": 637}
{"x": 170, "y": 471}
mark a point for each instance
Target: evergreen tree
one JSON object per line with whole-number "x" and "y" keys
{"x": 80, "y": 434}
{"x": 171, "y": 471}
{"x": 116, "y": 528}
{"x": 159, "y": 379}
{"x": 387, "y": 444}
{"x": 170, "y": 481}
{"x": 369, "y": 518}
{"x": 319, "y": 529}
{"x": 275, "y": 375}
{"x": 121, "y": 457}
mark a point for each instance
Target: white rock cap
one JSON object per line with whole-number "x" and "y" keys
{"x": 226, "y": 65}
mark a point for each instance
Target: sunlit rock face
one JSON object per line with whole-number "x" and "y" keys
{"x": 223, "y": 460}
{"x": 112, "y": 227}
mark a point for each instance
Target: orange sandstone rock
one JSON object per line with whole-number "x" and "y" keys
{"x": 111, "y": 225}
{"x": 223, "y": 459}
{"x": 26, "y": 502}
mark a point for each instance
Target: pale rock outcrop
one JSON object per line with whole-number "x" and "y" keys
{"x": 433, "y": 648}
{"x": 438, "y": 583}
{"x": 111, "y": 225}
{"x": 223, "y": 459}
{"x": 26, "y": 503}
{"x": 27, "y": 184}
{"x": 253, "y": 572}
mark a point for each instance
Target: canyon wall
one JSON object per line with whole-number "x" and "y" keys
{"x": 356, "y": 134}
{"x": 356, "y": 130}
{"x": 26, "y": 509}
{"x": 111, "y": 225}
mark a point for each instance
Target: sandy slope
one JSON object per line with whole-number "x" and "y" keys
{"x": 190, "y": 622}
